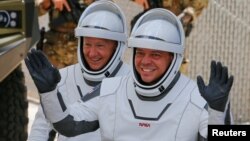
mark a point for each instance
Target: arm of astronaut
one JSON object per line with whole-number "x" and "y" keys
{"x": 200, "y": 138}
{"x": 209, "y": 117}
{"x": 203, "y": 128}
{"x": 40, "y": 129}
{"x": 76, "y": 119}
{"x": 216, "y": 93}
{"x": 69, "y": 121}
{"x": 44, "y": 75}
{"x": 218, "y": 117}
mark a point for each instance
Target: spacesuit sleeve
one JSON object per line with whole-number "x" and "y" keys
{"x": 40, "y": 128}
{"x": 215, "y": 117}
{"x": 203, "y": 128}
{"x": 220, "y": 118}
{"x": 70, "y": 120}
{"x": 210, "y": 116}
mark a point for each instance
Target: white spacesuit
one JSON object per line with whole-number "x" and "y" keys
{"x": 77, "y": 80}
{"x": 128, "y": 109}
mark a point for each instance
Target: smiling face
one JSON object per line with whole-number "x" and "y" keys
{"x": 151, "y": 64}
{"x": 97, "y": 52}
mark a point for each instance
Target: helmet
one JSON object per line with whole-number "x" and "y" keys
{"x": 102, "y": 19}
{"x": 158, "y": 29}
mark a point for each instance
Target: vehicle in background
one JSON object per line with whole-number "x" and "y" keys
{"x": 18, "y": 33}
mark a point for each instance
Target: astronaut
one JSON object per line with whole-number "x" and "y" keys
{"x": 101, "y": 44}
{"x": 155, "y": 102}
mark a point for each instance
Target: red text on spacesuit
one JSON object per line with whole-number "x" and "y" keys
{"x": 145, "y": 125}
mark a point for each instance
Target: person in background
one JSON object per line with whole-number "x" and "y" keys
{"x": 59, "y": 43}
{"x": 187, "y": 18}
{"x": 143, "y": 3}
{"x": 101, "y": 44}
{"x": 155, "y": 102}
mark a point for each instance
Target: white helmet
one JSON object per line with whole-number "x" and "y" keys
{"x": 158, "y": 29}
{"x": 102, "y": 19}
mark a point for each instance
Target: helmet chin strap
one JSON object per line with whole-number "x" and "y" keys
{"x": 91, "y": 83}
{"x": 95, "y": 83}
{"x": 163, "y": 93}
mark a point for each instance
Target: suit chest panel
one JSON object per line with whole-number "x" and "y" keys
{"x": 178, "y": 117}
{"x": 74, "y": 87}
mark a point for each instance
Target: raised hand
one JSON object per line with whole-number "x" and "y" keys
{"x": 44, "y": 75}
{"x": 60, "y": 4}
{"x": 217, "y": 91}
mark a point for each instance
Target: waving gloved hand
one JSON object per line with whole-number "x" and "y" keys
{"x": 44, "y": 75}
{"x": 217, "y": 91}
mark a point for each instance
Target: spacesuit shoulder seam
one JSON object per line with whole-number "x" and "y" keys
{"x": 64, "y": 72}
{"x": 196, "y": 99}
{"x": 110, "y": 85}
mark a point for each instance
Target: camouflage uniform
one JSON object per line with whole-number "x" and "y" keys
{"x": 178, "y": 6}
{"x": 60, "y": 44}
